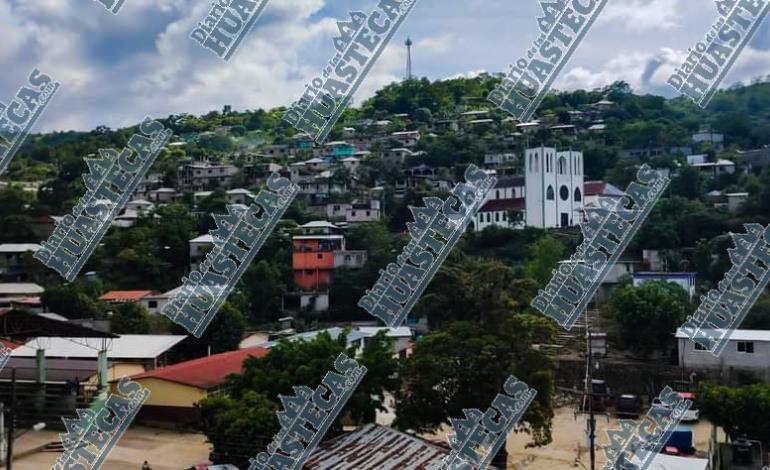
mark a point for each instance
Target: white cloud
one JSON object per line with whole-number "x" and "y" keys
{"x": 642, "y": 15}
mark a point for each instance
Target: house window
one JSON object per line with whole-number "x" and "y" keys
{"x": 320, "y": 256}
{"x": 746, "y": 347}
{"x": 549, "y": 193}
{"x": 152, "y": 304}
{"x": 699, "y": 347}
{"x": 497, "y": 194}
{"x": 368, "y": 213}
{"x": 564, "y": 193}
{"x": 505, "y": 216}
{"x": 578, "y": 195}
{"x": 562, "y": 166}
{"x": 489, "y": 217}
{"x": 497, "y": 217}
{"x": 353, "y": 213}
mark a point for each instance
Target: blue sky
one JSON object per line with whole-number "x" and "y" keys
{"x": 117, "y": 69}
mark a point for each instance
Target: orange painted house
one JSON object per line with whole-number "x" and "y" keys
{"x": 319, "y": 251}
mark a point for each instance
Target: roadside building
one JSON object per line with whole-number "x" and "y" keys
{"x": 747, "y": 352}
{"x": 175, "y": 390}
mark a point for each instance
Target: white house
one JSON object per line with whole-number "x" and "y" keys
{"x": 351, "y": 163}
{"x": 199, "y": 247}
{"x": 401, "y": 335}
{"x": 499, "y": 159}
{"x": 746, "y": 351}
{"x": 407, "y": 138}
{"x": 554, "y": 187}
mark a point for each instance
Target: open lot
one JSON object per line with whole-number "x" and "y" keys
{"x": 167, "y": 450}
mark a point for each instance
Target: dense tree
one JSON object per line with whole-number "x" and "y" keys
{"x": 464, "y": 366}
{"x": 130, "y": 318}
{"x": 254, "y": 393}
{"x": 546, "y": 253}
{"x": 648, "y": 315}
{"x": 736, "y": 409}
{"x": 71, "y": 301}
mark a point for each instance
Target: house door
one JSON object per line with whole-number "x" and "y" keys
{"x": 564, "y": 219}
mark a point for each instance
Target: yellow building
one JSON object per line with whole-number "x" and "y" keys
{"x": 176, "y": 389}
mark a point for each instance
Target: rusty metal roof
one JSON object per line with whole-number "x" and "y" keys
{"x": 374, "y": 447}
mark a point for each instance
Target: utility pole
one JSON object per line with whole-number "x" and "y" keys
{"x": 11, "y": 421}
{"x": 591, "y": 418}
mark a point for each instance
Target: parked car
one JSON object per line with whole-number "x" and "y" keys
{"x": 691, "y": 415}
{"x": 628, "y": 406}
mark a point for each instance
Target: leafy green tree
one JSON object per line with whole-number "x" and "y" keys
{"x": 465, "y": 365}
{"x": 254, "y": 392}
{"x": 263, "y": 287}
{"x": 235, "y": 427}
{"x": 759, "y": 315}
{"x": 648, "y": 315}
{"x": 70, "y": 301}
{"x": 546, "y": 253}
{"x": 736, "y": 409}
{"x": 226, "y": 330}
{"x": 130, "y": 318}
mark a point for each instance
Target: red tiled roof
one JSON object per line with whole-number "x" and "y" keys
{"x": 503, "y": 205}
{"x": 126, "y": 295}
{"x": 204, "y": 372}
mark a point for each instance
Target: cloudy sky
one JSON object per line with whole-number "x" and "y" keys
{"x": 115, "y": 70}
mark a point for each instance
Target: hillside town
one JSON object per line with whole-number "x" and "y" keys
{"x": 213, "y": 399}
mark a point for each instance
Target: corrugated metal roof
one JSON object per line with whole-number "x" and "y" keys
{"x": 18, "y": 247}
{"x": 20, "y": 288}
{"x": 123, "y": 347}
{"x": 392, "y": 332}
{"x": 376, "y": 447}
{"x": 737, "y": 335}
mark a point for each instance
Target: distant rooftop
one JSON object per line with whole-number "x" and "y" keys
{"x": 122, "y": 347}
{"x": 18, "y": 247}
{"x": 126, "y": 295}
{"x": 20, "y": 288}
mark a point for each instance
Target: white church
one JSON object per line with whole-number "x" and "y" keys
{"x": 554, "y": 187}
{"x": 551, "y": 193}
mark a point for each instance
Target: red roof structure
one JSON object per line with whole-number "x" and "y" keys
{"x": 205, "y": 372}
{"x": 126, "y": 295}
{"x": 496, "y": 205}
{"x": 601, "y": 188}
